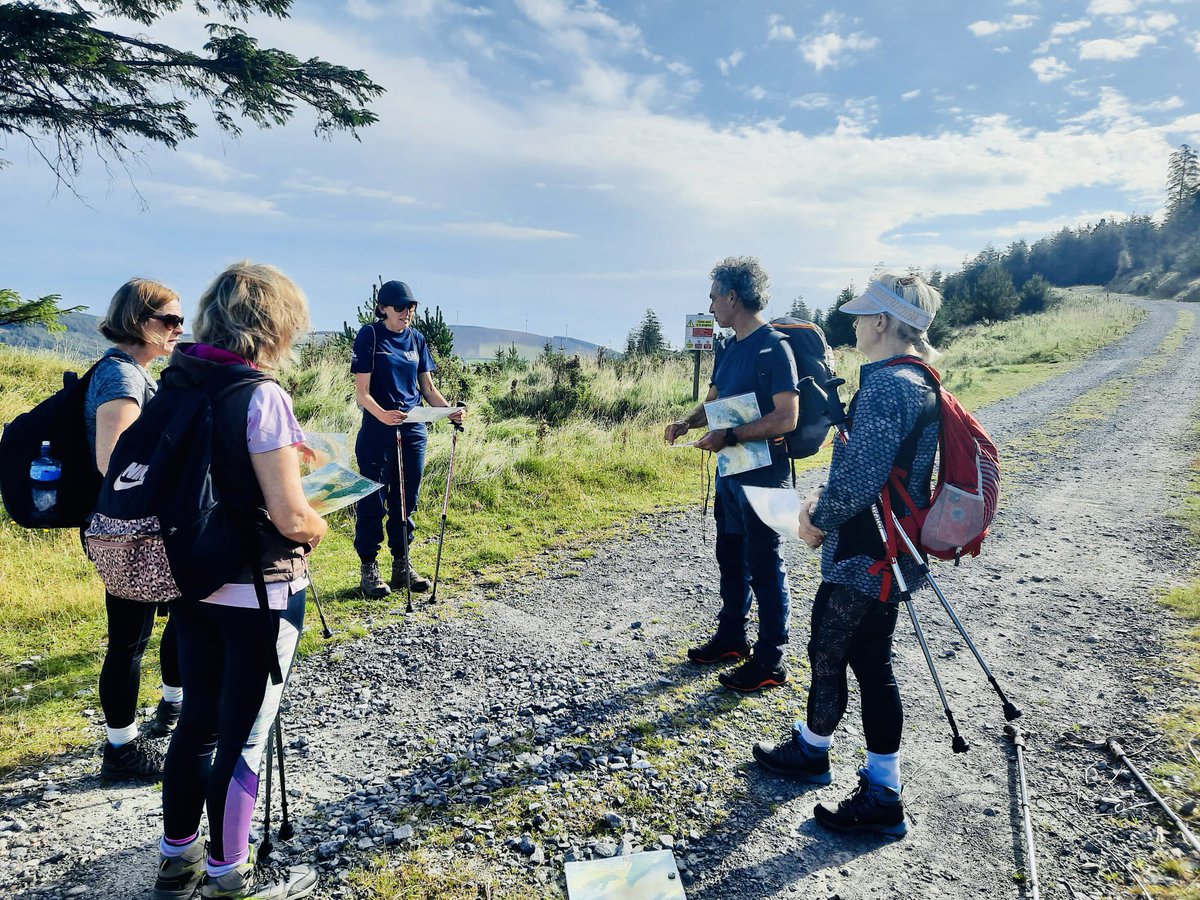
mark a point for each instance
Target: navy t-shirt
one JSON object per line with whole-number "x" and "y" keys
{"x": 738, "y": 373}
{"x": 394, "y": 361}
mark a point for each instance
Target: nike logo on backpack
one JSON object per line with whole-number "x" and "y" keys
{"x": 134, "y": 474}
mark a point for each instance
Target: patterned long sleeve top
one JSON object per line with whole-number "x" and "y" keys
{"x": 887, "y": 409}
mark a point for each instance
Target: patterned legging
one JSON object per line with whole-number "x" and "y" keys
{"x": 852, "y": 629}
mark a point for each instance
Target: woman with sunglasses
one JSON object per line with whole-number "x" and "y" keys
{"x": 144, "y": 322}
{"x": 393, "y": 372}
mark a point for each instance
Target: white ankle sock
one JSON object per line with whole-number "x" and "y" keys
{"x": 172, "y": 694}
{"x": 171, "y": 851}
{"x": 216, "y": 870}
{"x": 884, "y": 768}
{"x": 118, "y": 737}
{"x": 813, "y": 739}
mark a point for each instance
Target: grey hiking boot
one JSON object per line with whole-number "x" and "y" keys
{"x": 179, "y": 876}
{"x": 371, "y": 582}
{"x": 871, "y": 807}
{"x": 420, "y": 583}
{"x": 795, "y": 758}
{"x": 166, "y": 717}
{"x": 252, "y": 881}
{"x": 137, "y": 759}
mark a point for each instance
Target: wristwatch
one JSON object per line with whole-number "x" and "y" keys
{"x": 731, "y": 438}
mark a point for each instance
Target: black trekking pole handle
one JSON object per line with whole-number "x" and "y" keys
{"x": 458, "y": 426}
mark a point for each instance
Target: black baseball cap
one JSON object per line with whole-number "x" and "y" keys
{"x": 395, "y": 293}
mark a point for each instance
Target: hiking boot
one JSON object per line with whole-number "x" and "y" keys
{"x": 795, "y": 758}
{"x": 254, "y": 881}
{"x": 179, "y": 876}
{"x": 752, "y": 675}
{"x": 371, "y": 583}
{"x": 419, "y": 583}
{"x": 137, "y": 759}
{"x": 717, "y": 649}
{"x": 164, "y": 721}
{"x": 872, "y": 807}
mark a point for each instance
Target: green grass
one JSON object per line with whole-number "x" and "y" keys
{"x": 521, "y": 486}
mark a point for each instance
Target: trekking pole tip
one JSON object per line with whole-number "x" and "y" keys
{"x": 286, "y": 831}
{"x": 1011, "y": 711}
{"x": 959, "y": 744}
{"x": 327, "y": 632}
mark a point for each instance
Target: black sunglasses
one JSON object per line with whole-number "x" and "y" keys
{"x": 169, "y": 319}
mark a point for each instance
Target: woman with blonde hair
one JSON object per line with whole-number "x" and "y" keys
{"x": 144, "y": 322}
{"x": 895, "y": 419}
{"x": 229, "y": 645}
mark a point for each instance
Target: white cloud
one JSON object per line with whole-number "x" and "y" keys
{"x": 501, "y": 231}
{"x": 371, "y": 10}
{"x": 1196, "y": 41}
{"x": 1116, "y": 49}
{"x": 332, "y": 188}
{"x": 1159, "y": 21}
{"x": 832, "y": 49}
{"x": 1016, "y": 22}
{"x": 1049, "y": 68}
{"x": 230, "y": 203}
{"x": 911, "y": 95}
{"x": 814, "y": 101}
{"x": 212, "y": 169}
{"x": 728, "y": 63}
{"x": 757, "y": 92}
{"x": 777, "y": 30}
{"x": 1112, "y": 7}
{"x": 1062, "y": 29}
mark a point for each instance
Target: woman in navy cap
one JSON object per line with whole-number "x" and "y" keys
{"x": 393, "y": 372}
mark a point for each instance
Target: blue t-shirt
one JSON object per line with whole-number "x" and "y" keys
{"x": 394, "y": 361}
{"x": 738, "y": 373}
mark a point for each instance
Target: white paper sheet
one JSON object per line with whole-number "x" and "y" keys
{"x": 429, "y": 413}
{"x": 777, "y": 507}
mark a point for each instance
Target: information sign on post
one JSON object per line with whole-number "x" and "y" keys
{"x": 700, "y": 330}
{"x": 698, "y": 336}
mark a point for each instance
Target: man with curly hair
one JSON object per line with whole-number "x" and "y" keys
{"x": 748, "y": 557}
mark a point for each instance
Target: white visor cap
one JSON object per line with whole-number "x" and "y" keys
{"x": 879, "y": 299}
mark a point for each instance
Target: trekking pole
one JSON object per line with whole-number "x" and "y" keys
{"x": 404, "y": 523}
{"x": 1011, "y": 710}
{"x": 1018, "y": 739}
{"x": 326, "y": 631}
{"x": 437, "y": 569}
{"x": 837, "y": 415}
{"x": 286, "y": 832}
{"x": 1119, "y": 753}
{"x": 264, "y": 848}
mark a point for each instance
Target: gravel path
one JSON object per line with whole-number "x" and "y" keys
{"x": 553, "y": 719}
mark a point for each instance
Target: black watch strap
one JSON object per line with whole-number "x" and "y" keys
{"x": 731, "y": 438}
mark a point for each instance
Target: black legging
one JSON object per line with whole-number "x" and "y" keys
{"x": 130, "y": 624}
{"x": 853, "y": 629}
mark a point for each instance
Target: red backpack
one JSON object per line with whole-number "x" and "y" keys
{"x": 968, "y": 487}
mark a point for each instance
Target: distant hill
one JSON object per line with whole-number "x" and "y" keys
{"x": 82, "y": 337}
{"x": 471, "y": 342}
{"x": 474, "y": 342}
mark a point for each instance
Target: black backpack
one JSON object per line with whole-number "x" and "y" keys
{"x": 59, "y": 420}
{"x": 161, "y": 530}
{"x": 814, "y": 367}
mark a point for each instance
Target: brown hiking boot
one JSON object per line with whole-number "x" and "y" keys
{"x": 420, "y": 583}
{"x": 371, "y": 583}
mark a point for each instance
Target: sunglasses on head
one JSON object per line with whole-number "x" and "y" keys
{"x": 169, "y": 319}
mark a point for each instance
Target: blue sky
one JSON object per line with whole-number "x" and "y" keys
{"x": 564, "y": 165}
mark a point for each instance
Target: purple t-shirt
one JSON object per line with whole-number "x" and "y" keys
{"x": 270, "y": 425}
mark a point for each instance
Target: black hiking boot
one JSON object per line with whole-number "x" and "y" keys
{"x": 179, "y": 876}
{"x": 137, "y": 759}
{"x": 872, "y": 807}
{"x": 753, "y": 675}
{"x": 719, "y": 648}
{"x": 795, "y": 758}
{"x": 166, "y": 717}
{"x": 420, "y": 584}
{"x": 371, "y": 583}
